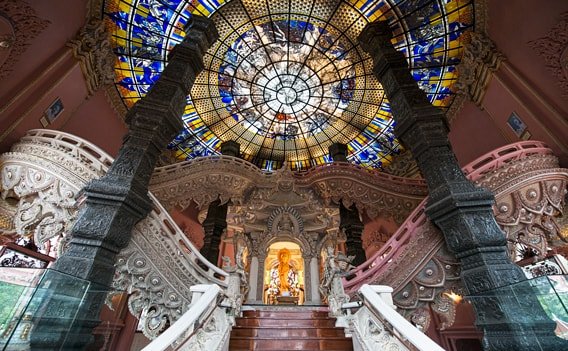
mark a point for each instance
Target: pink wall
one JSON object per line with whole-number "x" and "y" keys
{"x": 523, "y": 84}
{"x": 512, "y": 25}
{"x": 474, "y": 133}
{"x": 63, "y": 80}
{"x": 96, "y": 121}
{"x": 66, "y": 18}
{"x": 188, "y": 222}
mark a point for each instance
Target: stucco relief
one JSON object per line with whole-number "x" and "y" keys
{"x": 531, "y": 193}
{"x": 26, "y": 26}
{"x": 553, "y": 48}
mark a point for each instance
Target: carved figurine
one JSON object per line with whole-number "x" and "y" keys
{"x": 331, "y": 288}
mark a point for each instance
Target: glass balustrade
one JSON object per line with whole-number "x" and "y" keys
{"x": 34, "y": 316}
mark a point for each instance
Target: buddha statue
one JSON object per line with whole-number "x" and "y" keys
{"x": 283, "y": 270}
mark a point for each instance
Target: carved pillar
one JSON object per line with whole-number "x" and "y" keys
{"x": 353, "y": 229}
{"x": 214, "y": 225}
{"x": 118, "y": 200}
{"x": 308, "y": 288}
{"x": 260, "y": 280}
{"x": 462, "y": 211}
{"x": 314, "y": 280}
{"x": 253, "y": 274}
{"x": 338, "y": 152}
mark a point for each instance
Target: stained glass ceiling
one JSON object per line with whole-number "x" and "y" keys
{"x": 286, "y": 79}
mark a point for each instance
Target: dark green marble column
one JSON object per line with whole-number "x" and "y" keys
{"x": 462, "y": 211}
{"x": 352, "y": 226}
{"x": 117, "y": 201}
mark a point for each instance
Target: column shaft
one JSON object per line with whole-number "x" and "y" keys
{"x": 353, "y": 228}
{"x": 462, "y": 211}
{"x": 214, "y": 225}
{"x": 315, "y": 280}
{"x": 119, "y": 200}
{"x": 253, "y": 275}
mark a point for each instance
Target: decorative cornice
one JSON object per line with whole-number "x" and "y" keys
{"x": 553, "y": 48}
{"x": 94, "y": 9}
{"x": 93, "y": 50}
{"x": 115, "y": 100}
{"x": 481, "y": 19}
{"x": 26, "y": 25}
{"x": 203, "y": 180}
{"x": 481, "y": 15}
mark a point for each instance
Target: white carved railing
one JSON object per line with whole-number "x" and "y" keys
{"x": 204, "y": 326}
{"x": 377, "y": 326}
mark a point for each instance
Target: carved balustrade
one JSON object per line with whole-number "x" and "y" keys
{"x": 415, "y": 261}
{"x": 45, "y": 172}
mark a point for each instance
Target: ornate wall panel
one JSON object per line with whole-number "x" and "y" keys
{"x": 553, "y": 48}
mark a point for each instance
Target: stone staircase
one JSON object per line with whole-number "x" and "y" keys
{"x": 291, "y": 328}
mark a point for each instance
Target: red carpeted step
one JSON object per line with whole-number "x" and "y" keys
{"x": 274, "y": 329}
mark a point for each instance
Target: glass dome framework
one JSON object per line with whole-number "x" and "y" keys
{"x": 286, "y": 79}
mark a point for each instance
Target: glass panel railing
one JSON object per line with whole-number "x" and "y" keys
{"x": 56, "y": 312}
{"x": 16, "y": 288}
{"x": 551, "y": 294}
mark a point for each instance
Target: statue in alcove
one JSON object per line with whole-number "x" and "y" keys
{"x": 284, "y": 286}
{"x": 286, "y": 224}
{"x": 283, "y": 271}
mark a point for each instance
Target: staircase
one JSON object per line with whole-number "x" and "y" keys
{"x": 290, "y": 328}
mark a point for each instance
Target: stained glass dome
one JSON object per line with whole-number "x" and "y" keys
{"x": 286, "y": 79}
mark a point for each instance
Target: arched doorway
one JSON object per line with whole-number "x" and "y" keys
{"x": 284, "y": 277}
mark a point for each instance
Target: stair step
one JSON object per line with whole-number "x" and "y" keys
{"x": 285, "y": 314}
{"x": 285, "y": 323}
{"x": 288, "y": 329}
{"x": 289, "y": 332}
{"x": 329, "y": 343}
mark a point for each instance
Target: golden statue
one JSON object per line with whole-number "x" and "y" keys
{"x": 283, "y": 269}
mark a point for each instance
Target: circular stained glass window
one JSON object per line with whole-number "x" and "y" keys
{"x": 286, "y": 79}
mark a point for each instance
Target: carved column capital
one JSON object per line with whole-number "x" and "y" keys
{"x": 480, "y": 59}
{"x": 92, "y": 48}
